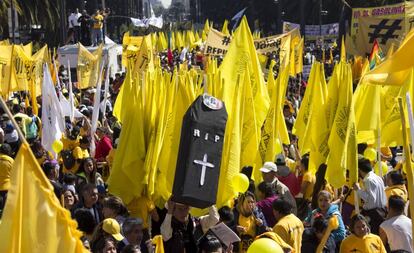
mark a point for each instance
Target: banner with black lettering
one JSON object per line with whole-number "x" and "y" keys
{"x": 217, "y": 43}
{"x": 387, "y": 24}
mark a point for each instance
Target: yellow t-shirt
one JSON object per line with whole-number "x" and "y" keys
{"x": 368, "y": 244}
{"x": 110, "y": 157}
{"x": 69, "y": 144}
{"x": 98, "y": 21}
{"x": 247, "y": 237}
{"x": 310, "y": 178}
{"x": 398, "y": 190}
{"x": 6, "y": 166}
{"x": 290, "y": 229}
{"x": 79, "y": 154}
{"x": 140, "y": 208}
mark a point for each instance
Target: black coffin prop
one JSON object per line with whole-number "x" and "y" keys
{"x": 198, "y": 164}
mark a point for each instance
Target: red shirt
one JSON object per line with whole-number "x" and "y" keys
{"x": 291, "y": 182}
{"x": 102, "y": 148}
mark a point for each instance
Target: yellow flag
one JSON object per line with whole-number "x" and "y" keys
{"x": 367, "y": 105}
{"x": 28, "y": 49}
{"x": 205, "y": 31}
{"x": 231, "y": 148}
{"x": 6, "y": 53}
{"x": 88, "y": 67}
{"x": 225, "y": 29}
{"x": 241, "y": 56}
{"x": 306, "y": 124}
{"x": 159, "y": 244}
{"x": 145, "y": 58}
{"x": 33, "y": 219}
{"x": 342, "y": 139}
{"x": 21, "y": 63}
{"x": 127, "y": 176}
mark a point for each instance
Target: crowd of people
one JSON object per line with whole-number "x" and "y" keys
{"x": 295, "y": 208}
{"x": 85, "y": 28}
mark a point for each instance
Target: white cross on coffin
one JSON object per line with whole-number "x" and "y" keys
{"x": 204, "y": 164}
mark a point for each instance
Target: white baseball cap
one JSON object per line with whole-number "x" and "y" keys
{"x": 268, "y": 167}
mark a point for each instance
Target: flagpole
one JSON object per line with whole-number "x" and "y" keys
{"x": 379, "y": 136}
{"x": 10, "y": 115}
{"x": 407, "y": 154}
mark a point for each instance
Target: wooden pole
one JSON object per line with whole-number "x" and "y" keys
{"x": 407, "y": 153}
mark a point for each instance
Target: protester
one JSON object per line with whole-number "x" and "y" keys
{"x": 373, "y": 195}
{"x": 396, "y": 229}
{"x": 395, "y": 185}
{"x": 178, "y": 228}
{"x": 97, "y": 25}
{"x": 88, "y": 173}
{"x": 361, "y": 240}
{"x": 89, "y": 200}
{"x": 74, "y": 25}
{"x": 132, "y": 231}
{"x": 84, "y": 20}
{"x": 269, "y": 171}
{"x": 312, "y": 237}
{"x": 70, "y": 199}
{"x": 249, "y": 221}
{"x": 113, "y": 207}
{"x": 328, "y": 210}
{"x": 266, "y": 195}
{"x": 6, "y": 166}
{"x": 288, "y": 226}
{"x": 51, "y": 170}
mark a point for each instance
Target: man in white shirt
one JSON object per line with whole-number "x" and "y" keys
{"x": 396, "y": 230}
{"x": 373, "y": 195}
{"x": 74, "y": 25}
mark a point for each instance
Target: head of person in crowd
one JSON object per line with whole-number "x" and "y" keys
{"x": 69, "y": 180}
{"x": 265, "y": 190}
{"x": 359, "y": 226}
{"x": 180, "y": 211}
{"x": 37, "y": 149}
{"x": 100, "y": 132}
{"x": 89, "y": 195}
{"x": 269, "y": 172}
{"x": 112, "y": 207}
{"x": 319, "y": 226}
{"x": 105, "y": 245}
{"x": 246, "y": 204}
{"x": 132, "y": 230}
{"x": 85, "y": 220}
{"x": 131, "y": 249}
{"x": 304, "y": 164}
{"x": 209, "y": 244}
{"x": 396, "y": 206}
{"x": 88, "y": 166}
{"x": 324, "y": 201}
{"x": 70, "y": 198}
{"x": 51, "y": 169}
{"x": 16, "y": 109}
{"x": 84, "y": 142}
{"x": 281, "y": 208}
{"x": 73, "y": 133}
{"x": 394, "y": 178}
{"x": 280, "y": 161}
{"x": 364, "y": 167}
{"x": 226, "y": 215}
{"x": 5, "y": 149}
{"x": 107, "y": 228}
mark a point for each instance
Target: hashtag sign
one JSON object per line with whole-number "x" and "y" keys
{"x": 389, "y": 30}
{"x": 225, "y": 41}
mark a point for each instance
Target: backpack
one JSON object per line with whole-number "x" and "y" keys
{"x": 31, "y": 129}
{"x": 68, "y": 159}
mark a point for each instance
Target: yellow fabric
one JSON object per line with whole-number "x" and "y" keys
{"x": 310, "y": 178}
{"x": 342, "y": 139}
{"x": 159, "y": 244}
{"x": 6, "y": 166}
{"x": 6, "y": 52}
{"x": 69, "y": 144}
{"x": 290, "y": 229}
{"x": 368, "y": 244}
{"x": 33, "y": 219}
{"x": 275, "y": 237}
{"x": 78, "y": 154}
{"x": 140, "y": 208}
{"x": 97, "y": 21}
{"x": 306, "y": 123}
{"x": 127, "y": 177}
{"x": 88, "y": 68}
{"x": 249, "y": 223}
{"x": 110, "y": 157}
{"x": 225, "y": 29}
{"x": 399, "y": 190}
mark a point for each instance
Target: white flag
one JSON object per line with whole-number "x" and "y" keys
{"x": 138, "y": 22}
{"x": 53, "y": 123}
{"x": 106, "y": 92}
{"x": 95, "y": 113}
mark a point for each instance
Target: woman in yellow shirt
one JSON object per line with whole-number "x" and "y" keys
{"x": 395, "y": 185}
{"x": 361, "y": 240}
{"x": 250, "y": 221}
